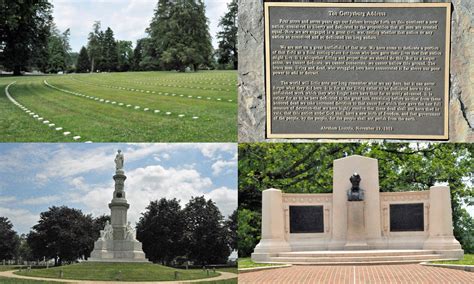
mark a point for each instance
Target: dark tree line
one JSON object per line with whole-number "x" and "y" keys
{"x": 178, "y": 38}
{"x": 169, "y": 233}
{"x": 104, "y": 53}
{"x": 198, "y": 232}
{"x": 307, "y": 168}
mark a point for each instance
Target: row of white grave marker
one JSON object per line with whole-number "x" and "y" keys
{"x": 190, "y": 81}
{"x": 112, "y": 102}
{"x": 40, "y": 118}
{"x": 149, "y": 92}
{"x": 182, "y": 86}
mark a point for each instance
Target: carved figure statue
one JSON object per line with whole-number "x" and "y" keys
{"x": 355, "y": 193}
{"x": 107, "y": 233}
{"x": 119, "y": 160}
{"x": 130, "y": 233}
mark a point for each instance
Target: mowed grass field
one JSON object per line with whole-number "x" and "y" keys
{"x": 120, "y": 107}
{"x": 120, "y": 272}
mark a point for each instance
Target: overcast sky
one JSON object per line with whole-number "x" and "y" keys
{"x": 35, "y": 176}
{"x": 127, "y": 18}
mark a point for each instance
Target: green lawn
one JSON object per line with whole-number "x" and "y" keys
{"x": 121, "y": 107}
{"x": 5, "y": 280}
{"x": 119, "y": 271}
{"x": 246, "y": 262}
{"x": 467, "y": 260}
{"x": 9, "y": 267}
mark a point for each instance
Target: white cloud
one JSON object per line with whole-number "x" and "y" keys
{"x": 212, "y": 150}
{"x": 225, "y": 198}
{"x": 21, "y": 219}
{"x": 153, "y": 183}
{"x": 223, "y": 166}
{"x": 40, "y": 200}
{"x": 7, "y": 199}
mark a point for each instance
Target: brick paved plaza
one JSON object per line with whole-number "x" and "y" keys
{"x": 406, "y": 273}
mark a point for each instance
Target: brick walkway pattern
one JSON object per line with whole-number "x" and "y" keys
{"x": 383, "y": 274}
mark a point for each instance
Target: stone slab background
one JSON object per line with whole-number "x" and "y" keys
{"x": 252, "y": 114}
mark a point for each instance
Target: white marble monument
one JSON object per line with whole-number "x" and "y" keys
{"x": 357, "y": 224}
{"x": 117, "y": 241}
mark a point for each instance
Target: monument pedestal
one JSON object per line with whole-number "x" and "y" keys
{"x": 118, "y": 251}
{"x": 117, "y": 242}
{"x": 356, "y": 233}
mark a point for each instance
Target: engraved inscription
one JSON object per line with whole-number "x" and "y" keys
{"x": 357, "y": 70}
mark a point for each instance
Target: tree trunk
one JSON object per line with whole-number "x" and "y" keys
{"x": 92, "y": 65}
{"x": 17, "y": 70}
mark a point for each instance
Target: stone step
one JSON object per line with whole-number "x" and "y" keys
{"x": 339, "y": 253}
{"x": 355, "y": 259}
{"x": 361, "y": 263}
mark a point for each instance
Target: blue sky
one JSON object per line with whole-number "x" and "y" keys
{"x": 36, "y": 176}
{"x": 127, "y": 18}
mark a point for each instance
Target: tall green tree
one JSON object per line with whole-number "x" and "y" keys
{"x": 109, "y": 51}
{"x": 63, "y": 233}
{"x": 307, "y": 168}
{"x": 24, "y": 32}
{"x": 58, "y": 50}
{"x": 180, "y": 34}
{"x": 9, "y": 240}
{"x": 161, "y": 229}
{"x": 227, "y": 51}
{"x": 83, "y": 64}
{"x": 94, "y": 46}
{"x": 125, "y": 55}
{"x": 205, "y": 232}
{"x": 231, "y": 230}
{"x": 248, "y": 231}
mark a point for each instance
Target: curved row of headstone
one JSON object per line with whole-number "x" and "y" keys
{"x": 120, "y": 104}
{"x": 153, "y": 92}
{"x": 189, "y": 81}
{"x": 40, "y": 118}
{"x": 179, "y": 86}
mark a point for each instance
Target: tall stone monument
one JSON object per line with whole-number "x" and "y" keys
{"x": 117, "y": 242}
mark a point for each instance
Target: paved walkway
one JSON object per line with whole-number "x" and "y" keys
{"x": 222, "y": 276}
{"x": 406, "y": 273}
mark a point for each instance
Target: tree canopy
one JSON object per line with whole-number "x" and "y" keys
{"x": 161, "y": 231}
{"x": 58, "y": 51}
{"x": 197, "y": 232}
{"x": 24, "y": 32}
{"x": 9, "y": 240}
{"x": 307, "y": 168}
{"x": 83, "y": 64}
{"x": 227, "y": 54}
{"x": 179, "y": 33}
{"x": 65, "y": 234}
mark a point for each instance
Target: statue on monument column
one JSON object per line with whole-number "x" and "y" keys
{"x": 107, "y": 232}
{"x": 130, "y": 233}
{"x": 355, "y": 193}
{"x": 119, "y": 160}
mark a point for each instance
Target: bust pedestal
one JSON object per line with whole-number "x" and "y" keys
{"x": 356, "y": 233}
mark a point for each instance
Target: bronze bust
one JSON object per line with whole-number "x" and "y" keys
{"x": 355, "y": 193}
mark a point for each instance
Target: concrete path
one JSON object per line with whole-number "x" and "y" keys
{"x": 222, "y": 276}
{"x": 405, "y": 273}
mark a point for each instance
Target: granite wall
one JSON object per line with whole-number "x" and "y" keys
{"x": 252, "y": 115}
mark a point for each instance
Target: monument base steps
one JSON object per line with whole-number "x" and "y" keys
{"x": 354, "y": 257}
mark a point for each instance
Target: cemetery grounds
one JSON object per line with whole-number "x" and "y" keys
{"x": 120, "y": 107}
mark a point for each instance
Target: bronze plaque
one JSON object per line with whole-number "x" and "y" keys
{"x": 306, "y": 219}
{"x": 357, "y": 70}
{"x": 406, "y": 217}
